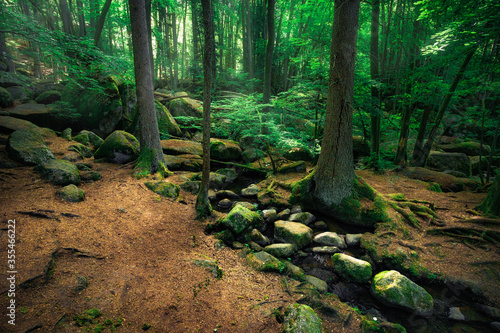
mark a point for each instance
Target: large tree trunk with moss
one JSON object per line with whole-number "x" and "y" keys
{"x": 334, "y": 174}
{"x": 203, "y": 207}
{"x": 491, "y": 205}
{"x": 151, "y": 159}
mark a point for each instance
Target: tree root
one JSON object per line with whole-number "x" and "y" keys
{"x": 472, "y": 234}
{"x": 410, "y": 209}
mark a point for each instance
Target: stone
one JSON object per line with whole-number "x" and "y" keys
{"x": 319, "y": 284}
{"x": 8, "y": 79}
{"x": 27, "y": 147}
{"x": 71, "y": 193}
{"x": 325, "y": 249}
{"x": 264, "y": 262}
{"x": 468, "y": 148}
{"x": 296, "y": 209}
{"x": 455, "y": 314}
{"x": 38, "y": 114}
{"x": 300, "y": 318}
{"x": 119, "y": 147}
{"x": 496, "y": 326}
{"x": 185, "y": 107}
{"x": 295, "y": 233}
{"x": 230, "y": 174}
{"x": 226, "y": 236}
{"x": 88, "y": 137}
{"x": 83, "y": 150}
{"x": 394, "y": 289}
{"x": 304, "y": 217}
{"x": 320, "y": 226}
{"x": 166, "y": 123}
{"x": 258, "y": 141}
{"x": 10, "y": 124}
{"x": 490, "y": 311}
{"x": 353, "y": 239}
{"x": 48, "y": 97}
{"x": 455, "y": 173}
{"x": 257, "y": 237}
{"x": 66, "y": 134}
{"x": 216, "y": 180}
{"x": 6, "y": 99}
{"x": 352, "y": 269}
{"x": 295, "y": 272}
{"x": 280, "y": 250}
{"x": 254, "y": 246}
{"x": 179, "y": 147}
{"x": 296, "y": 167}
{"x": 251, "y": 191}
{"x": 184, "y": 162}
{"x": 269, "y": 215}
{"x": 165, "y": 189}
{"x": 251, "y": 155}
{"x": 330, "y": 238}
{"x": 283, "y": 215}
{"x": 225, "y": 150}
{"x": 83, "y": 166}
{"x": 247, "y": 205}
{"x": 449, "y": 161}
{"x": 298, "y": 154}
{"x": 225, "y": 204}
{"x": 241, "y": 219}
{"x": 59, "y": 172}
{"x": 90, "y": 176}
{"x": 73, "y": 157}
{"x": 18, "y": 92}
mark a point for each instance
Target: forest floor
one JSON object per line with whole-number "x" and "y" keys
{"x": 128, "y": 253}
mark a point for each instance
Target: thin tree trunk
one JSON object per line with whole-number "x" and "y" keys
{"x": 269, "y": 51}
{"x": 374, "y": 73}
{"x": 65, "y": 16}
{"x": 249, "y": 40}
{"x": 81, "y": 18}
{"x": 175, "y": 53}
{"x": 100, "y": 22}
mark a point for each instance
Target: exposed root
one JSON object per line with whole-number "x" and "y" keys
{"x": 474, "y": 235}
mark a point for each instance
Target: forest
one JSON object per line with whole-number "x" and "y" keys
{"x": 250, "y": 166}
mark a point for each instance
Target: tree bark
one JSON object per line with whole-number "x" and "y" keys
{"x": 65, "y": 16}
{"x": 81, "y": 18}
{"x": 100, "y": 22}
{"x": 203, "y": 207}
{"x": 491, "y": 204}
{"x": 249, "y": 40}
{"x": 374, "y": 74}
{"x": 334, "y": 174}
{"x": 269, "y": 51}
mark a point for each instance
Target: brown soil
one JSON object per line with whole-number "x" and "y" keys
{"x": 135, "y": 249}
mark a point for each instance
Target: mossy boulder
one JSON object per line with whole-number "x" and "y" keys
{"x": 82, "y": 150}
{"x": 10, "y": 124}
{"x": 294, "y": 233}
{"x": 449, "y": 161}
{"x": 331, "y": 239}
{"x": 281, "y": 250}
{"x": 295, "y": 272}
{"x": 184, "y": 162}
{"x": 166, "y": 123}
{"x": 298, "y": 154}
{"x": 302, "y": 217}
{"x": 468, "y": 148}
{"x": 165, "y": 189}
{"x": 394, "y": 289}
{"x": 299, "y": 166}
{"x": 9, "y": 79}
{"x": 90, "y": 176}
{"x": 185, "y": 107}
{"x": 21, "y": 93}
{"x": 448, "y": 183}
{"x": 225, "y": 150}
{"x": 300, "y": 318}
{"x": 89, "y": 138}
{"x": 119, "y": 147}
{"x": 48, "y": 97}
{"x": 317, "y": 283}
{"x": 180, "y": 147}
{"x": 251, "y": 155}
{"x": 474, "y": 160}
{"x": 59, "y": 172}
{"x": 264, "y": 262}
{"x": 230, "y": 174}
{"x": 38, "y": 114}
{"x": 352, "y": 269}
{"x": 71, "y": 193}
{"x": 241, "y": 219}
{"x": 67, "y": 133}
{"x": 27, "y": 147}
{"x": 6, "y": 99}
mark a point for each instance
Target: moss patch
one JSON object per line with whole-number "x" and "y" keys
{"x": 147, "y": 164}
{"x": 165, "y": 189}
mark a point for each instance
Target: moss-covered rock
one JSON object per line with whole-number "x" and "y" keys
{"x": 295, "y": 272}
{"x": 264, "y": 262}
{"x": 82, "y": 150}
{"x": 317, "y": 283}
{"x": 299, "y": 166}
{"x": 300, "y": 318}
{"x": 10, "y": 124}
{"x": 225, "y": 150}
{"x": 330, "y": 238}
{"x": 67, "y": 134}
{"x": 474, "y": 160}
{"x": 241, "y": 219}
{"x": 394, "y": 289}
{"x": 185, "y": 162}
{"x": 38, "y": 114}
{"x": 181, "y": 147}
{"x": 27, "y": 147}
{"x": 449, "y": 161}
{"x": 281, "y": 250}
{"x": 302, "y": 217}
{"x": 491, "y": 204}
{"x": 119, "y": 147}
{"x": 298, "y": 154}
{"x": 185, "y": 107}
{"x": 22, "y": 93}
{"x": 87, "y": 137}
{"x": 5, "y": 98}
{"x": 166, "y": 123}
{"x": 165, "y": 189}
{"x": 468, "y": 148}
{"x": 59, "y": 172}
{"x": 90, "y": 176}
{"x": 448, "y": 183}
{"x": 48, "y": 97}
{"x": 230, "y": 174}
{"x": 352, "y": 269}
{"x": 71, "y": 193}
{"x": 251, "y": 155}
{"x": 375, "y": 326}
{"x": 294, "y": 233}
{"x": 9, "y": 79}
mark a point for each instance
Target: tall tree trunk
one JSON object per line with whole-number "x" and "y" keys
{"x": 374, "y": 73}
{"x": 184, "y": 41}
{"x": 249, "y": 40}
{"x": 150, "y": 39}
{"x": 94, "y": 13}
{"x": 334, "y": 174}
{"x": 269, "y": 51}
{"x": 424, "y": 153}
{"x": 5, "y": 54}
{"x": 81, "y": 18}
{"x": 65, "y": 16}
{"x": 175, "y": 53}
{"x": 203, "y": 207}
{"x": 151, "y": 159}
{"x": 194, "y": 17}
{"x": 100, "y": 22}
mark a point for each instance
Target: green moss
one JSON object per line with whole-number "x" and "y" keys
{"x": 87, "y": 317}
{"x": 146, "y": 164}
{"x": 302, "y": 191}
{"x": 434, "y": 187}
{"x": 265, "y": 262}
{"x": 372, "y": 326}
{"x": 166, "y": 123}
{"x": 397, "y": 196}
{"x": 164, "y": 188}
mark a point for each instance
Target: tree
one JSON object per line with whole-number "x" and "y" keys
{"x": 151, "y": 158}
{"x": 203, "y": 207}
{"x": 374, "y": 73}
{"x": 491, "y": 204}
{"x": 100, "y": 22}
{"x": 269, "y": 51}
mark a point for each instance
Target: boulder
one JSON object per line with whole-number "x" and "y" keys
{"x": 48, "y": 97}
{"x": 394, "y": 289}
{"x": 300, "y": 318}
{"x": 6, "y": 99}
{"x": 88, "y": 137}
{"x": 448, "y": 183}
{"x": 251, "y": 155}
{"x": 225, "y": 204}
{"x": 325, "y": 250}
{"x": 258, "y": 141}
{"x": 449, "y": 161}
{"x": 166, "y": 123}
{"x": 230, "y": 174}
{"x": 223, "y": 194}
{"x": 295, "y": 233}
{"x": 330, "y": 238}
{"x": 38, "y": 114}
{"x": 18, "y": 92}
{"x": 185, "y": 107}
{"x": 241, "y": 219}
{"x": 320, "y": 226}
{"x": 474, "y": 160}
{"x": 191, "y": 186}
{"x": 352, "y": 269}
{"x": 119, "y": 147}
{"x": 184, "y": 162}
{"x": 8, "y": 79}
{"x": 467, "y": 148}
{"x": 280, "y": 250}
{"x": 247, "y": 205}
{"x": 296, "y": 167}
{"x": 27, "y": 147}
{"x": 319, "y": 284}
{"x": 225, "y": 150}
{"x": 251, "y": 191}
{"x": 298, "y": 154}
{"x": 257, "y": 237}
{"x": 59, "y": 172}
{"x": 83, "y": 150}
{"x": 270, "y": 215}
{"x": 10, "y": 124}
{"x": 283, "y": 215}
{"x": 180, "y": 147}
{"x": 264, "y": 262}
{"x": 71, "y": 193}
{"x": 67, "y": 133}
{"x": 303, "y": 217}
{"x": 295, "y": 272}
{"x": 165, "y": 189}
{"x": 353, "y": 239}
{"x": 90, "y": 176}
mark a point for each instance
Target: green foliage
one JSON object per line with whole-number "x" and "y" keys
{"x": 64, "y": 112}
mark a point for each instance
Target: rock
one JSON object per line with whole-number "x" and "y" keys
{"x": 8, "y": 79}
{"x": 225, "y": 203}
{"x": 165, "y": 189}
{"x": 257, "y": 237}
{"x": 21, "y": 93}
{"x": 84, "y": 166}
{"x": 258, "y": 141}
{"x": 247, "y": 205}
{"x": 270, "y": 197}
{"x": 230, "y": 174}
{"x": 447, "y": 183}
{"x": 216, "y": 180}
{"x": 353, "y": 239}
{"x": 394, "y": 289}
{"x": 185, "y": 162}
{"x": 269, "y": 215}
{"x": 251, "y": 191}
{"x": 179, "y": 147}
{"x": 320, "y": 226}
{"x": 73, "y": 157}
{"x": 449, "y": 161}
{"x": 330, "y": 238}
{"x": 90, "y": 176}
{"x": 467, "y": 148}
{"x": 255, "y": 247}
{"x": 223, "y": 194}
{"x": 319, "y": 284}
{"x": 295, "y": 233}
{"x": 71, "y": 193}
{"x": 251, "y": 155}
{"x": 10, "y": 124}
{"x": 38, "y": 114}
{"x": 226, "y": 236}
{"x": 455, "y": 173}
{"x": 48, "y": 97}
{"x": 88, "y": 137}
{"x": 59, "y": 172}
{"x": 295, "y": 272}
{"x": 264, "y": 262}
{"x": 185, "y": 107}
{"x": 300, "y": 318}
{"x": 490, "y": 311}
{"x": 496, "y": 326}
{"x": 484, "y": 162}
{"x": 280, "y": 250}
{"x": 225, "y": 150}
{"x": 84, "y": 151}
{"x": 305, "y": 218}
{"x": 241, "y": 219}
{"x": 298, "y": 167}
{"x": 66, "y": 134}
{"x": 298, "y": 154}
{"x": 352, "y": 269}
{"x": 283, "y": 215}
{"x": 192, "y": 186}
{"x": 119, "y": 147}
{"x": 296, "y": 209}
{"x": 166, "y": 123}
{"x": 42, "y": 86}
{"x": 360, "y": 147}
{"x": 455, "y": 314}
{"x": 28, "y": 148}
{"x": 6, "y": 99}
{"x": 325, "y": 249}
